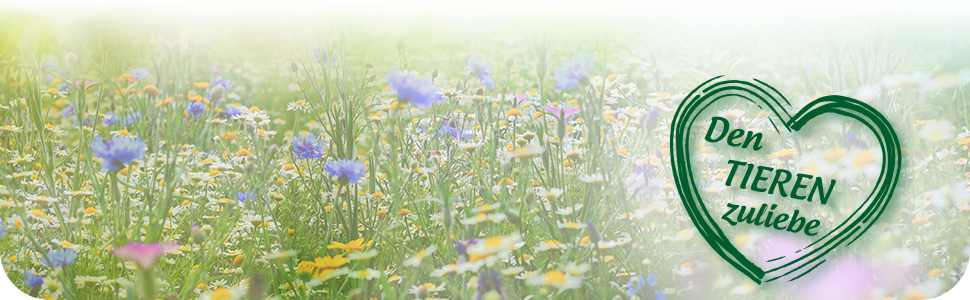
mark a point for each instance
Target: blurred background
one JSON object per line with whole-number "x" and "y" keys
{"x": 92, "y": 23}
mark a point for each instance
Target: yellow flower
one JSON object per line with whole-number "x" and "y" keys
{"x": 366, "y": 274}
{"x": 238, "y": 260}
{"x": 328, "y": 262}
{"x": 357, "y": 244}
{"x": 127, "y": 78}
{"x": 415, "y": 260}
{"x": 150, "y": 90}
{"x": 558, "y": 279}
{"x": 221, "y": 294}
{"x": 243, "y": 152}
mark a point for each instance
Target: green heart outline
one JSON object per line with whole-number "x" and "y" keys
{"x": 849, "y": 230}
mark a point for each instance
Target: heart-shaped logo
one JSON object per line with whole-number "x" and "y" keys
{"x": 803, "y": 260}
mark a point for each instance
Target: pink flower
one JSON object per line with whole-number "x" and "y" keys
{"x": 846, "y": 278}
{"x": 560, "y": 113}
{"x": 87, "y": 83}
{"x": 516, "y": 100}
{"x": 143, "y": 254}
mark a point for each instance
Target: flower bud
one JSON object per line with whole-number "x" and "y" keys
{"x": 356, "y": 294}
{"x": 216, "y": 92}
{"x": 369, "y": 65}
{"x": 198, "y": 236}
{"x": 400, "y": 45}
{"x": 293, "y": 67}
{"x": 594, "y": 235}
{"x": 35, "y": 290}
{"x": 422, "y": 292}
{"x": 71, "y": 58}
{"x": 514, "y": 218}
{"x": 434, "y": 74}
{"x": 509, "y": 61}
{"x": 257, "y": 287}
{"x": 238, "y": 260}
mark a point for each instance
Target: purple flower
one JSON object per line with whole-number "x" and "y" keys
{"x": 195, "y": 109}
{"x": 651, "y": 121}
{"x": 855, "y": 140}
{"x": 3, "y": 229}
{"x": 226, "y": 84}
{"x": 572, "y": 71}
{"x": 59, "y": 258}
{"x": 144, "y": 255}
{"x": 243, "y": 196}
{"x": 479, "y": 67}
{"x": 462, "y": 246}
{"x": 117, "y": 152}
{"x": 307, "y": 146}
{"x": 139, "y": 73}
{"x": 68, "y": 111}
{"x": 560, "y": 113}
{"x": 320, "y": 56}
{"x": 64, "y": 88}
{"x": 454, "y": 132}
{"x": 346, "y": 170}
{"x": 489, "y": 283}
{"x": 109, "y": 118}
{"x": 32, "y": 280}
{"x": 410, "y": 89}
{"x": 131, "y": 118}
{"x": 49, "y": 62}
{"x": 643, "y": 289}
{"x": 846, "y": 278}
{"x": 234, "y": 110}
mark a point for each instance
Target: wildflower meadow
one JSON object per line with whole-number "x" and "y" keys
{"x": 337, "y": 161}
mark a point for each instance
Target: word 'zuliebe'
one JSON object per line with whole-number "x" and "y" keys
{"x": 769, "y": 180}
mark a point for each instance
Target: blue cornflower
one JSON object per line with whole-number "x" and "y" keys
{"x": 234, "y": 110}
{"x": 32, "y": 280}
{"x": 110, "y": 118}
{"x": 643, "y": 289}
{"x": 651, "y": 119}
{"x": 68, "y": 111}
{"x": 410, "y": 89}
{"x": 462, "y": 246}
{"x": 489, "y": 284}
{"x": 455, "y": 132}
{"x": 195, "y": 109}
{"x": 855, "y": 140}
{"x": 64, "y": 88}
{"x": 346, "y": 170}
{"x": 321, "y": 57}
{"x": 49, "y": 62}
{"x": 131, "y": 118}
{"x": 479, "y": 67}
{"x": 226, "y": 84}
{"x": 243, "y": 196}
{"x": 3, "y": 229}
{"x": 139, "y": 73}
{"x": 59, "y": 258}
{"x": 117, "y": 152}
{"x": 307, "y": 146}
{"x": 572, "y": 71}
{"x": 87, "y": 121}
